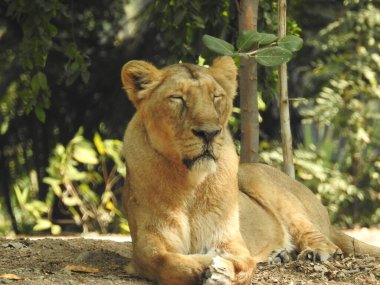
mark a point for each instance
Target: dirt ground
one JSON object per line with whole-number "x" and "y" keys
{"x": 94, "y": 261}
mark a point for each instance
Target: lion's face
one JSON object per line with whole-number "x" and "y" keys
{"x": 185, "y": 108}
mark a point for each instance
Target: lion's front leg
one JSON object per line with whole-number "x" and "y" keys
{"x": 155, "y": 258}
{"x": 230, "y": 264}
{"x": 152, "y": 260}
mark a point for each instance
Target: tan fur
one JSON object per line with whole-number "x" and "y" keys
{"x": 182, "y": 188}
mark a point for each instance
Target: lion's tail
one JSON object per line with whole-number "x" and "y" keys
{"x": 350, "y": 245}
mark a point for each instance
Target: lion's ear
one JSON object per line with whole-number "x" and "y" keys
{"x": 224, "y": 71}
{"x": 226, "y": 66}
{"x": 137, "y": 76}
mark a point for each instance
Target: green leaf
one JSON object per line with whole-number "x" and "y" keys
{"x": 84, "y": 153}
{"x": 35, "y": 84}
{"x": 56, "y": 230}
{"x": 217, "y": 45}
{"x": 99, "y": 144}
{"x": 74, "y": 174}
{"x": 42, "y": 224}
{"x": 71, "y": 201}
{"x": 21, "y": 195}
{"x": 51, "y": 181}
{"x": 4, "y": 126}
{"x": 113, "y": 149}
{"x": 53, "y": 29}
{"x": 124, "y": 228}
{"x": 40, "y": 113}
{"x": 42, "y": 80}
{"x": 273, "y": 56}
{"x": 54, "y": 184}
{"x": 57, "y": 190}
{"x": 85, "y": 75}
{"x": 247, "y": 40}
{"x": 291, "y": 43}
{"x": 39, "y": 206}
{"x": 107, "y": 196}
{"x": 266, "y": 39}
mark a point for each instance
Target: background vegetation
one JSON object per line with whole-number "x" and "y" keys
{"x": 63, "y": 111}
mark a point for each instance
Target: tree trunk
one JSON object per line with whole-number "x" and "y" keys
{"x": 286, "y": 134}
{"x": 249, "y": 112}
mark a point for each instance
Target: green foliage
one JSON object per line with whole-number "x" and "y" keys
{"x": 261, "y": 46}
{"x": 342, "y": 121}
{"x": 39, "y": 33}
{"x": 80, "y": 178}
{"x": 180, "y": 24}
{"x": 77, "y": 65}
{"x": 31, "y": 213}
{"x": 84, "y": 177}
{"x": 333, "y": 187}
{"x": 56, "y": 88}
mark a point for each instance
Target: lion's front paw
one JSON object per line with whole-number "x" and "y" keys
{"x": 220, "y": 272}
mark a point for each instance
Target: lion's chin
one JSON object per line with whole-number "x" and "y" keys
{"x": 201, "y": 168}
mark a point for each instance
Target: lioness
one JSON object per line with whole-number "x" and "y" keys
{"x": 182, "y": 193}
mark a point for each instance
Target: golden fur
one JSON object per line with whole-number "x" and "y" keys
{"x": 182, "y": 193}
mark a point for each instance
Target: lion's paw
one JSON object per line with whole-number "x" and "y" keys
{"x": 220, "y": 272}
{"x": 309, "y": 254}
{"x": 279, "y": 257}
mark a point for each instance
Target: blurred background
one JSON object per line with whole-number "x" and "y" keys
{"x": 63, "y": 110}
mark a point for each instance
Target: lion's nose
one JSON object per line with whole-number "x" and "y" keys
{"x": 207, "y": 135}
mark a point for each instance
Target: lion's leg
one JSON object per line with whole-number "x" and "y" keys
{"x": 157, "y": 260}
{"x": 217, "y": 268}
{"x": 305, "y": 235}
{"x": 292, "y": 203}
{"x": 312, "y": 244}
{"x": 154, "y": 259}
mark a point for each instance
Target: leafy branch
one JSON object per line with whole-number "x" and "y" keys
{"x": 266, "y": 48}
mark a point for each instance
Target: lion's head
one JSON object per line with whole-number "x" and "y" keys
{"x": 184, "y": 108}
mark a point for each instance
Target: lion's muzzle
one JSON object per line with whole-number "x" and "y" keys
{"x": 207, "y": 134}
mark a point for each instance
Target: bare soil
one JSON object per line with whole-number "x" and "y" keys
{"x": 88, "y": 261}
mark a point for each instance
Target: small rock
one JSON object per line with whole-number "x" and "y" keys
{"x": 14, "y": 244}
{"x": 320, "y": 268}
{"x": 340, "y": 275}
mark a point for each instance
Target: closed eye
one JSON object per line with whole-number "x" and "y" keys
{"x": 217, "y": 97}
{"x": 177, "y": 99}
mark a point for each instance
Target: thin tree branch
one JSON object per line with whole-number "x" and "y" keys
{"x": 286, "y": 134}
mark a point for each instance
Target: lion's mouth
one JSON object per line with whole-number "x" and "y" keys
{"x": 207, "y": 154}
